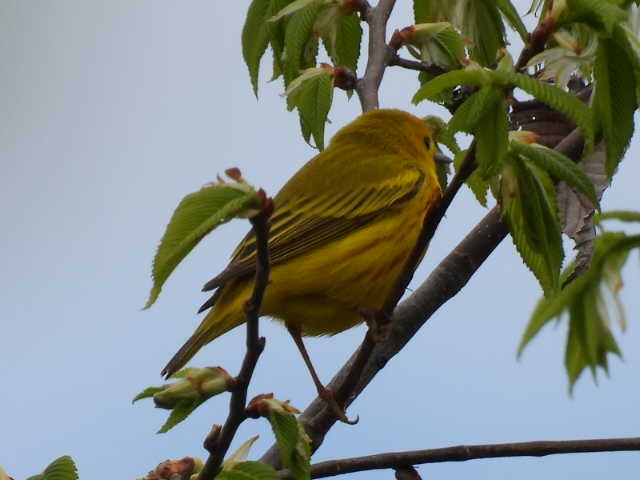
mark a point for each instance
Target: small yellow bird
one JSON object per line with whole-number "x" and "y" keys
{"x": 342, "y": 228}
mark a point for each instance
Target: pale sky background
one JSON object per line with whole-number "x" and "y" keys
{"x": 111, "y": 113}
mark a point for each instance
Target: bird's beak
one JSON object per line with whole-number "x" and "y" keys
{"x": 442, "y": 158}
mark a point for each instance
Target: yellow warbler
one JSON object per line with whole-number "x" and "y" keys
{"x": 342, "y": 229}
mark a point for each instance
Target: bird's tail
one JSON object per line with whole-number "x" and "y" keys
{"x": 220, "y": 319}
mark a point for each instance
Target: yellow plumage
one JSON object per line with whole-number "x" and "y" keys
{"x": 342, "y": 229}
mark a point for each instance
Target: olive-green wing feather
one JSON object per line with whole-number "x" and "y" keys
{"x": 326, "y": 211}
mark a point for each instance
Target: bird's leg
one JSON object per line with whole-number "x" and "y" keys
{"x": 379, "y": 323}
{"x": 323, "y": 392}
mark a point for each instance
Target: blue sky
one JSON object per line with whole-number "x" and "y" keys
{"x": 112, "y": 111}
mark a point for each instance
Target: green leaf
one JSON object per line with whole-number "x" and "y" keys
{"x": 276, "y": 36}
{"x": 300, "y": 41}
{"x": 312, "y": 95}
{"x": 484, "y": 115}
{"x": 292, "y": 8}
{"x": 491, "y": 138}
{"x": 439, "y": 44}
{"x": 615, "y": 99}
{"x": 249, "y": 471}
{"x": 591, "y": 302}
{"x": 62, "y": 468}
{"x": 472, "y": 77}
{"x": 343, "y": 40}
{"x": 255, "y": 38}
{"x": 559, "y": 166}
{"x": 530, "y": 211}
{"x": 147, "y": 393}
{"x": 478, "y": 186}
{"x": 482, "y": 23}
{"x": 197, "y": 215}
{"x": 621, "y": 215}
{"x": 513, "y": 17}
{"x": 179, "y": 413}
{"x": 601, "y": 15}
{"x": 426, "y": 11}
{"x": 555, "y": 98}
{"x": 293, "y": 443}
{"x": 472, "y": 112}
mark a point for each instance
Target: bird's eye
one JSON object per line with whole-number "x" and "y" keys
{"x": 427, "y": 142}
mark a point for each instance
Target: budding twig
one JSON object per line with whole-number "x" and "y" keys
{"x": 218, "y": 441}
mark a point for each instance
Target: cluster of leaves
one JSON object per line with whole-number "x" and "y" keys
{"x": 196, "y": 385}
{"x": 293, "y": 31}
{"x": 591, "y": 40}
{"x": 62, "y": 468}
{"x": 592, "y": 304}
{"x": 197, "y": 215}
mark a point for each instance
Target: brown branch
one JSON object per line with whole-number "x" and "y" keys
{"x": 396, "y": 60}
{"x": 218, "y": 441}
{"x": 430, "y": 223}
{"x": 535, "y": 45}
{"x": 379, "y": 52}
{"x": 463, "y": 453}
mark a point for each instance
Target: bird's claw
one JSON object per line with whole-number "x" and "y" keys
{"x": 328, "y": 396}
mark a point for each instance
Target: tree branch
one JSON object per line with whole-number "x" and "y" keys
{"x": 463, "y": 453}
{"x": 431, "y": 220}
{"x": 396, "y": 60}
{"x": 218, "y": 441}
{"x": 367, "y": 87}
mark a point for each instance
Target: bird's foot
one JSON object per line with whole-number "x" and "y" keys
{"x": 328, "y": 396}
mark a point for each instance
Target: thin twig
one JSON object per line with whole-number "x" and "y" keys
{"x": 218, "y": 442}
{"x": 432, "y": 68}
{"x": 379, "y": 52}
{"x": 537, "y": 41}
{"x": 463, "y": 453}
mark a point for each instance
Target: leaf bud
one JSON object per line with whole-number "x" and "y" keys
{"x": 195, "y": 384}
{"x": 264, "y": 404}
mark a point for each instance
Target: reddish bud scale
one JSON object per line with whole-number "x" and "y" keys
{"x": 257, "y": 407}
{"x": 344, "y": 78}
{"x": 400, "y": 37}
{"x": 234, "y": 173}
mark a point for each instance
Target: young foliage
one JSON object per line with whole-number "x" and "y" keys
{"x": 249, "y": 471}
{"x": 554, "y": 97}
{"x": 591, "y": 302}
{"x": 312, "y": 94}
{"x": 558, "y": 166}
{"x": 62, "y": 468}
{"x": 196, "y": 216}
{"x": 341, "y": 34}
{"x": 255, "y": 38}
{"x": 528, "y": 200}
{"x": 599, "y": 14}
{"x": 293, "y": 442}
{"x": 184, "y": 396}
{"x": 570, "y": 56}
{"x": 478, "y": 20}
{"x": 621, "y": 215}
{"x": 438, "y": 44}
{"x": 615, "y": 100}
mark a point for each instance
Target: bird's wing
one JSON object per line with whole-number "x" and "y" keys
{"x": 303, "y": 223}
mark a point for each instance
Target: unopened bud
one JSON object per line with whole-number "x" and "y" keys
{"x": 263, "y": 405}
{"x": 196, "y": 384}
